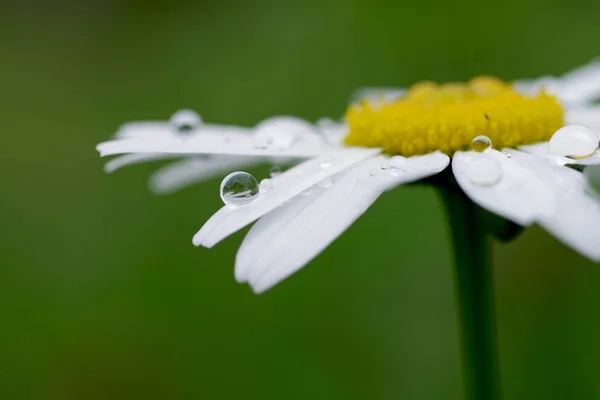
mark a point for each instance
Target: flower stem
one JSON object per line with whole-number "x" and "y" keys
{"x": 475, "y": 297}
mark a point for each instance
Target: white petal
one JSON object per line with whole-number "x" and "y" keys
{"x": 576, "y": 87}
{"x": 131, "y": 159}
{"x": 581, "y": 85}
{"x": 215, "y": 139}
{"x": 285, "y": 186}
{"x": 575, "y": 219}
{"x": 144, "y": 129}
{"x": 516, "y": 194}
{"x": 287, "y": 238}
{"x": 334, "y": 132}
{"x": 193, "y": 170}
{"x": 584, "y": 115}
{"x": 164, "y": 129}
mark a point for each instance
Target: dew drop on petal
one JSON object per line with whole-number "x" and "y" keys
{"x": 326, "y": 183}
{"x": 185, "y": 121}
{"x": 481, "y": 143}
{"x": 399, "y": 162}
{"x": 266, "y": 184}
{"x": 373, "y": 172}
{"x": 307, "y": 192}
{"x": 262, "y": 143}
{"x": 280, "y": 132}
{"x": 484, "y": 171}
{"x": 326, "y": 162}
{"x": 239, "y": 189}
{"x": 575, "y": 141}
{"x": 274, "y": 171}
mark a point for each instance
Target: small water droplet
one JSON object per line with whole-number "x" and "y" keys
{"x": 385, "y": 166}
{"x": 506, "y": 154}
{"x": 399, "y": 162}
{"x": 574, "y": 141}
{"x": 239, "y": 189}
{"x": 266, "y": 184}
{"x": 326, "y": 183}
{"x": 185, "y": 121}
{"x": 373, "y": 172}
{"x": 307, "y": 192}
{"x": 484, "y": 171}
{"x": 326, "y": 162}
{"x": 262, "y": 142}
{"x": 481, "y": 143}
{"x": 275, "y": 170}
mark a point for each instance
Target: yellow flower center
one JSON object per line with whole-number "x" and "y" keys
{"x": 448, "y": 117}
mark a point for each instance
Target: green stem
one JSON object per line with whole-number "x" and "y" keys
{"x": 475, "y": 296}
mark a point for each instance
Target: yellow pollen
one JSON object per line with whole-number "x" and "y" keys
{"x": 448, "y": 117}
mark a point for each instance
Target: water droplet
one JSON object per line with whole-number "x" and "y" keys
{"x": 326, "y": 162}
{"x": 274, "y": 171}
{"x": 239, "y": 189}
{"x": 373, "y": 172}
{"x": 326, "y": 183}
{"x": 484, "y": 171}
{"x": 266, "y": 184}
{"x": 399, "y": 162}
{"x": 185, "y": 121}
{"x": 506, "y": 154}
{"x": 280, "y": 132}
{"x": 385, "y": 166}
{"x": 574, "y": 141}
{"x": 481, "y": 143}
{"x": 307, "y": 192}
{"x": 262, "y": 143}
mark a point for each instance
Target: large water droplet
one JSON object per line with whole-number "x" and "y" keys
{"x": 574, "y": 141}
{"x": 239, "y": 189}
{"x": 185, "y": 121}
{"x": 484, "y": 171}
{"x": 481, "y": 143}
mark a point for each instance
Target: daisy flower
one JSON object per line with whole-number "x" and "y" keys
{"x": 516, "y": 150}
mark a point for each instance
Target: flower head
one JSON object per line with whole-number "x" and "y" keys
{"x": 511, "y": 147}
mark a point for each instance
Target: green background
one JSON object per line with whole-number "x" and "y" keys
{"x": 102, "y": 295}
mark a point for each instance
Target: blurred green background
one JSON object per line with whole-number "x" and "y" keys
{"x": 102, "y": 295}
